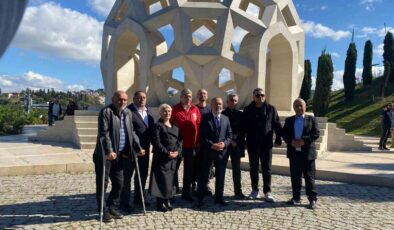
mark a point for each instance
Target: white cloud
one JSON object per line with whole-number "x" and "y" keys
{"x": 324, "y": 7}
{"x": 318, "y": 30}
{"x": 102, "y": 7}
{"x": 379, "y": 50}
{"x": 334, "y": 54}
{"x": 371, "y": 31}
{"x": 238, "y": 36}
{"x": 35, "y": 81}
{"x": 50, "y": 29}
{"x": 370, "y": 4}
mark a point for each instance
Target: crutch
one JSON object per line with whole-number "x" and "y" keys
{"x": 139, "y": 181}
{"x": 102, "y": 186}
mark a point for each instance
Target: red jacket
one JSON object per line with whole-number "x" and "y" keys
{"x": 188, "y": 123}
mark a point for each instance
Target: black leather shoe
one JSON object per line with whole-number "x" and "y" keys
{"x": 221, "y": 202}
{"x": 115, "y": 213}
{"x": 168, "y": 205}
{"x": 312, "y": 204}
{"x": 187, "y": 198}
{"x": 385, "y": 148}
{"x": 107, "y": 217}
{"x": 127, "y": 209}
{"x": 161, "y": 207}
{"x": 293, "y": 202}
{"x": 239, "y": 195}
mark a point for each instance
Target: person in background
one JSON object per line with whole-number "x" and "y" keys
{"x": 167, "y": 146}
{"x": 71, "y": 107}
{"x": 54, "y": 111}
{"x": 385, "y": 122}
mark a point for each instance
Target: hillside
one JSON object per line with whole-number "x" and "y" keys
{"x": 361, "y": 115}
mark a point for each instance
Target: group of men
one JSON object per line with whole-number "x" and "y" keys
{"x": 211, "y": 135}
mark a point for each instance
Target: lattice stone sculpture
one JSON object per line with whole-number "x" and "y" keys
{"x": 162, "y": 46}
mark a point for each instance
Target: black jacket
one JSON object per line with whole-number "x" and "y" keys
{"x": 235, "y": 117}
{"x": 143, "y": 132}
{"x": 209, "y": 134}
{"x": 385, "y": 119}
{"x": 50, "y": 108}
{"x": 310, "y": 134}
{"x": 259, "y": 124}
{"x": 109, "y": 131}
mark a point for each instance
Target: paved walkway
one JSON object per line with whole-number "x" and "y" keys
{"x": 64, "y": 201}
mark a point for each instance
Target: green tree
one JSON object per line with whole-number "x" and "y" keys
{"x": 349, "y": 76}
{"x": 386, "y": 76}
{"x": 367, "y": 63}
{"x": 323, "y": 84}
{"x": 388, "y": 54}
{"x": 307, "y": 82}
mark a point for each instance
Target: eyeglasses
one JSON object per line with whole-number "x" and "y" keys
{"x": 259, "y": 95}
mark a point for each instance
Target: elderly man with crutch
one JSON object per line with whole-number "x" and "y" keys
{"x": 115, "y": 140}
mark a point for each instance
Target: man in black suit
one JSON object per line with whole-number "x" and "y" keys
{"x": 143, "y": 124}
{"x": 215, "y": 134}
{"x": 236, "y": 150}
{"x": 259, "y": 122}
{"x": 300, "y": 133}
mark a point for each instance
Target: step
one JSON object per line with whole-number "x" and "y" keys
{"x": 86, "y": 125}
{"x": 87, "y": 131}
{"x": 87, "y": 138}
{"x": 87, "y": 145}
{"x": 85, "y": 119}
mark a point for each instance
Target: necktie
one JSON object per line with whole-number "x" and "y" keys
{"x": 217, "y": 119}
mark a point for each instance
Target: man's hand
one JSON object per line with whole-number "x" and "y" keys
{"x": 297, "y": 143}
{"x": 173, "y": 155}
{"x": 111, "y": 156}
{"x": 221, "y": 145}
{"x": 218, "y": 146}
{"x": 141, "y": 153}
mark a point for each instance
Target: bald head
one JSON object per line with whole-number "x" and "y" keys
{"x": 119, "y": 100}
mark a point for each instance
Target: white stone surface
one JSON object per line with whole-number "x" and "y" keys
{"x": 204, "y": 42}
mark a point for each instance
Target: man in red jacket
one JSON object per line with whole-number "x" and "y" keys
{"x": 187, "y": 117}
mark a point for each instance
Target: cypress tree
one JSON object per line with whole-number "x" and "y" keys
{"x": 386, "y": 76}
{"x": 349, "y": 76}
{"x": 367, "y": 63}
{"x": 323, "y": 84}
{"x": 307, "y": 82}
{"x": 388, "y": 54}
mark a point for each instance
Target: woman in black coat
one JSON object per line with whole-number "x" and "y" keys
{"x": 167, "y": 145}
{"x": 385, "y": 121}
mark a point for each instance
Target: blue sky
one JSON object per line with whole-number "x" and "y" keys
{"x": 58, "y": 44}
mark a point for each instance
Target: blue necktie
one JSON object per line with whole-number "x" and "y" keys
{"x": 217, "y": 119}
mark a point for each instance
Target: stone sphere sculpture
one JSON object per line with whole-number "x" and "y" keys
{"x": 163, "y": 46}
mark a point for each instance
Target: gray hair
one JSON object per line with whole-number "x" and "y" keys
{"x": 300, "y": 100}
{"x": 163, "y": 107}
{"x": 186, "y": 92}
{"x": 231, "y": 95}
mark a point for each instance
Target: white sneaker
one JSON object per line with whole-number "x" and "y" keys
{"x": 254, "y": 195}
{"x": 268, "y": 198}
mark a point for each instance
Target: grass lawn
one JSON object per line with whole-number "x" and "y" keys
{"x": 361, "y": 116}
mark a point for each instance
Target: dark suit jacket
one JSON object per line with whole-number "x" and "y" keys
{"x": 209, "y": 134}
{"x": 310, "y": 134}
{"x": 144, "y": 133}
{"x": 109, "y": 132}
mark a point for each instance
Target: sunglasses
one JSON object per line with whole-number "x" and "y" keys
{"x": 259, "y": 95}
